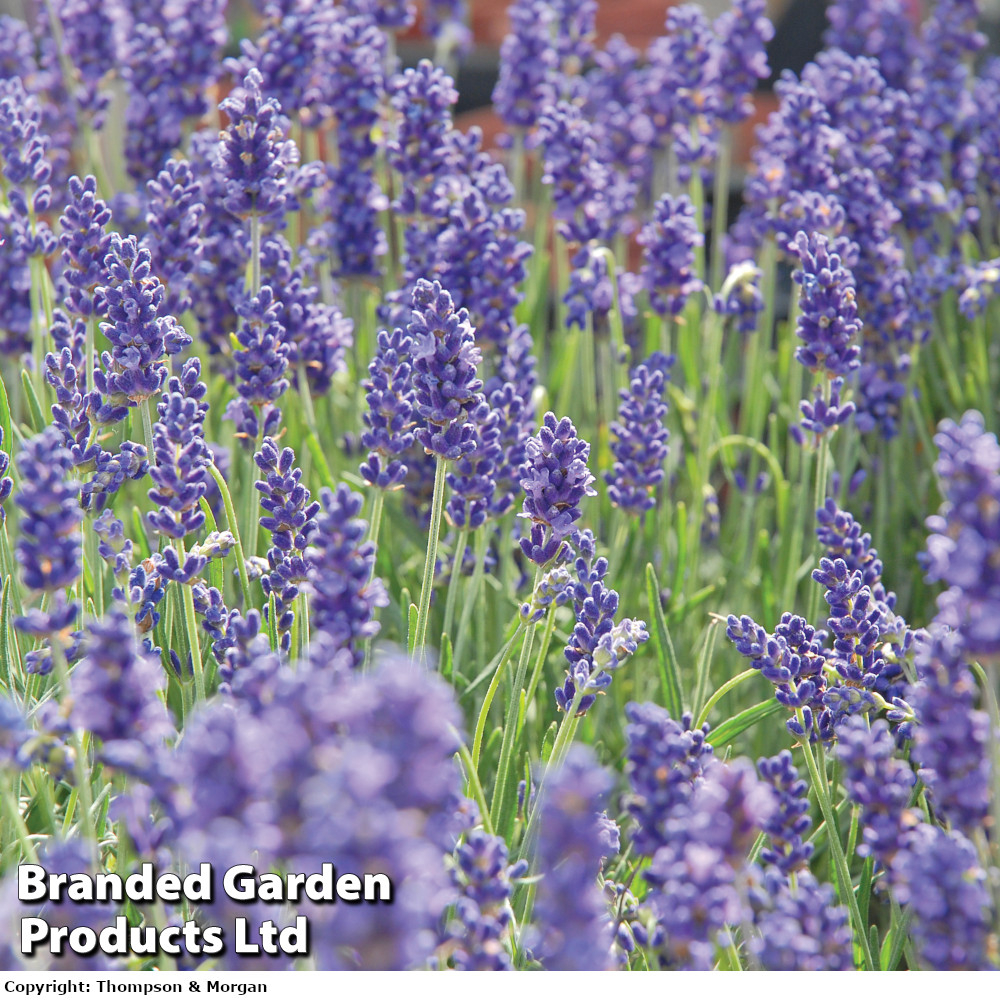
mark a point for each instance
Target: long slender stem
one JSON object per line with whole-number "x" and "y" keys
{"x": 477, "y": 741}
{"x": 472, "y": 599}
{"x": 191, "y": 626}
{"x": 254, "y": 254}
{"x": 423, "y": 609}
{"x": 497, "y": 810}
{"x": 81, "y": 767}
{"x": 732, "y": 683}
{"x": 456, "y": 570}
{"x": 720, "y": 207}
{"x": 833, "y": 839}
{"x": 147, "y": 426}
{"x": 227, "y": 503}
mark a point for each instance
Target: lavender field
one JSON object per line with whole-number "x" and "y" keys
{"x": 605, "y": 579}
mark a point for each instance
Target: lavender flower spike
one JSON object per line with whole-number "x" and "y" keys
{"x": 180, "y": 456}
{"x": 139, "y": 332}
{"x": 445, "y": 357}
{"x": 570, "y": 911}
{"x": 555, "y": 478}
{"x": 640, "y": 439}
{"x": 253, "y": 155}
{"x": 344, "y": 594}
{"x": 961, "y": 551}
{"x": 49, "y": 540}
{"x": 668, "y": 256}
{"x": 828, "y": 324}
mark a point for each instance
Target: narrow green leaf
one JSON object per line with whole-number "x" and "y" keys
{"x": 272, "y": 622}
{"x": 886, "y": 950}
{"x": 38, "y": 422}
{"x": 139, "y": 538}
{"x": 898, "y": 930}
{"x": 411, "y": 627}
{"x": 549, "y": 741}
{"x": 5, "y": 603}
{"x": 5, "y": 421}
{"x": 322, "y": 466}
{"x": 666, "y": 658}
{"x": 446, "y": 657}
{"x": 732, "y": 728}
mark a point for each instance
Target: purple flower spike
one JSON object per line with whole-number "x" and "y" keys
{"x": 877, "y": 781}
{"x": 180, "y": 456}
{"x": 578, "y": 177}
{"x": 570, "y": 912}
{"x": 528, "y": 64}
{"x": 741, "y": 55}
{"x": 85, "y": 243}
{"x": 141, "y": 334}
{"x": 828, "y": 324}
{"x": 49, "y": 539}
{"x": 472, "y": 477}
{"x": 951, "y": 742}
{"x": 253, "y": 154}
{"x": 790, "y": 821}
{"x": 941, "y": 878}
{"x": 344, "y": 593}
{"x": 445, "y": 356}
{"x": 639, "y": 437}
{"x": 389, "y": 418}
{"x": 173, "y": 215}
{"x": 290, "y": 517}
{"x": 483, "y": 912}
{"x": 261, "y": 362}
{"x": 116, "y": 692}
{"x": 801, "y": 930}
{"x": 555, "y": 478}
{"x": 668, "y": 254}
{"x": 48, "y": 545}
{"x": 665, "y": 760}
{"x": 25, "y": 169}
{"x": 598, "y": 645}
{"x": 961, "y": 551}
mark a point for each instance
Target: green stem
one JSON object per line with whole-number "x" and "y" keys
{"x": 423, "y": 609}
{"x": 254, "y": 254}
{"x": 147, "y": 425}
{"x": 477, "y": 741}
{"x": 497, "y": 810}
{"x": 472, "y": 599}
{"x": 13, "y": 810}
{"x": 456, "y": 570}
{"x": 227, "y": 503}
{"x": 836, "y": 848}
{"x": 191, "y": 626}
{"x": 732, "y": 683}
{"x": 720, "y": 207}
{"x": 252, "y": 524}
